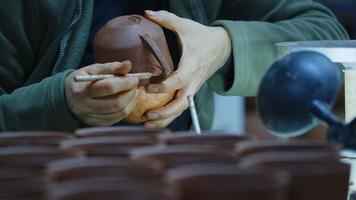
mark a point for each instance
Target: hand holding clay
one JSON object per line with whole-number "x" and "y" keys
{"x": 204, "y": 50}
{"x": 103, "y": 102}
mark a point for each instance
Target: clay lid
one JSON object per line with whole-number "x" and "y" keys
{"x": 24, "y": 156}
{"x": 171, "y": 156}
{"x": 207, "y": 138}
{"x": 90, "y": 167}
{"x": 119, "y": 131}
{"x": 252, "y": 147}
{"x": 111, "y": 189}
{"x": 108, "y": 145}
{"x": 229, "y": 182}
{"x": 42, "y": 138}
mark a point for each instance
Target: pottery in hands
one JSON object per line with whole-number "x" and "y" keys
{"x": 142, "y": 42}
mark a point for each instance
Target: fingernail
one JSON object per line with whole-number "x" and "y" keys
{"x": 152, "y": 89}
{"x": 150, "y": 125}
{"x": 152, "y": 116}
{"x": 150, "y": 12}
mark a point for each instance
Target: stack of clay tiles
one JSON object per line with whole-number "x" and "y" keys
{"x": 135, "y": 163}
{"x": 132, "y": 162}
{"x": 103, "y": 169}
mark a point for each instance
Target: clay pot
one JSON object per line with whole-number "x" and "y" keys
{"x": 106, "y": 146}
{"x": 208, "y": 138}
{"x": 110, "y": 189}
{"x": 95, "y": 167}
{"x": 227, "y": 182}
{"x": 35, "y": 138}
{"x": 132, "y": 131}
{"x": 310, "y": 180}
{"x": 142, "y": 42}
{"x": 247, "y": 148}
{"x": 172, "y": 156}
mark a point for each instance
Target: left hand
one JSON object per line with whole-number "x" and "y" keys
{"x": 204, "y": 50}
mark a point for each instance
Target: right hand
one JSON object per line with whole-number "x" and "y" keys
{"x": 103, "y": 102}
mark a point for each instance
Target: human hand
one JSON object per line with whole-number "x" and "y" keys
{"x": 204, "y": 50}
{"x": 103, "y": 102}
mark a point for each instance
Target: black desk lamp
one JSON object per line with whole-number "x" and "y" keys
{"x": 298, "y": 92}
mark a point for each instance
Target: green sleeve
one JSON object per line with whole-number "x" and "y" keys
{"x": 40, "y": 106}
{"x": 255, "y": 26}
{"x": 30, "y": 99}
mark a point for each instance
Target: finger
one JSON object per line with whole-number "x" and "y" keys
{"x": 114, "y": 117}
{"x": 177, "y": 106}
{"x": 164, "y": 18}
{"x": 112, "y": 103}
{"x": 160, "y": 123}
{"x": 111, "y": 86}
{"x": 179, "y": 79}
{"x": 109, "y": 68}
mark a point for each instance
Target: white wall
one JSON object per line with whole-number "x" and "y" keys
{"x": 229, "y": 114}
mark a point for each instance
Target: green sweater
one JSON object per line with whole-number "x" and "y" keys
{"x": 39, "y": 48}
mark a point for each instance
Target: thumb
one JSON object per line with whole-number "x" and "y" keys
{"x": 118, "y": 68}
{"x": 164, "y": 18}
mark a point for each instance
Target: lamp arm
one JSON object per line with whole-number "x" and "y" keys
{"x": 338, "y": 131}
{"x": 336, "y": 126}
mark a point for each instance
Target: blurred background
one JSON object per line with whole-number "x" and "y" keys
{"x": 345, "y": 10}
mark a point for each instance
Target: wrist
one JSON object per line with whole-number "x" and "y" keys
{"x": 226, "y": 43}
{"x": 222, "y": 47}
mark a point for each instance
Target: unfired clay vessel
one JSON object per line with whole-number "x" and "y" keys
{"x": 142, "y": 42}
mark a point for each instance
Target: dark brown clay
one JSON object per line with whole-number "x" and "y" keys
{"x": 85, "y": 167}
{"x": 142, "y": 42}
{"x": 207, "y": 138}
{"x": 172, "y": 156}
{"x": 224, "y": 182}
{"x": 106, "y": 146}
{"x": 311, "y": 180}
{"x": 38, "y": 138}
{"x": 126, "y": 131}
{"x": 278, "y": 145}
